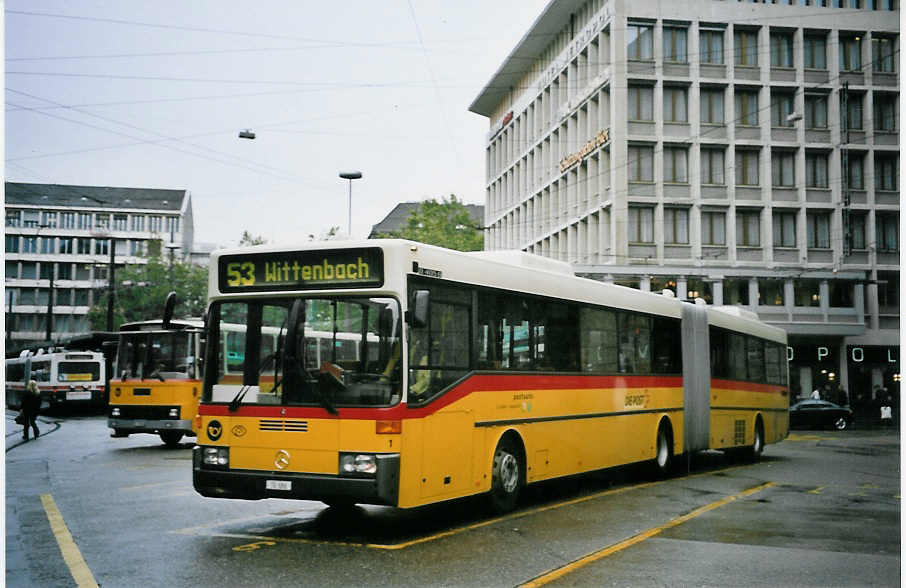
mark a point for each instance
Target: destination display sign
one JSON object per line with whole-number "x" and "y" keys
{"x": 301, "y": 270}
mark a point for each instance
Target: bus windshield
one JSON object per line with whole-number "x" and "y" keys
{"x": 78, "y": 371}
{"x": 155, "y": 354}
{"x": 330, "y": 351}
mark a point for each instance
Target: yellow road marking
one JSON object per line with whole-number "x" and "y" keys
{"x": 71, "y": 554}
{"x": 151, "y": 485}
{"x": 817, "y": 490}
{"x": 638, "y": 538}
{"x": 795, "y": 437}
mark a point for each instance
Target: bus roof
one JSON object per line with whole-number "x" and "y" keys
{"x": 158, "y": 325}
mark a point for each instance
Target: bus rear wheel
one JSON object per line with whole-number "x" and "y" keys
{"x": 754, "y": 451}
{"x": 170, "y": 438}
{"x": 506, "y": 477}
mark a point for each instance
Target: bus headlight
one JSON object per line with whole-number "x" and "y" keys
{"x": 357, "y": 464}
{"x": 216, "y": 456}
{"x": 114, "y": 412}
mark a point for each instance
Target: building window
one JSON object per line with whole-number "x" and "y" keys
{"x": 857, "y": 230}
{"x": 675, "y": 44}
{"x": 65, "y": 245}
{"x": 818, "y": 229}
{"x": 745, "y": 47}
{"x": 47, "y": 244}
{"x": 84, "y": 221}
{"x": 784, "y": 228}
{"x": 781, "y": 50}
{"x": 641, "y": 224}
{"x": 783, "y": 168}
{"x": 747, "y": 108}
{"x": 889, "y": 290}
{"x": 882, "y": 52}
{"x": 885, "y": 111}
{"x": 29, "y": 270}
{"x": 883, "y": 4}
{"x": 712, "y": 163}
{"x": 119, "y": 222}
{"x": 781, "y": 109}
{"x": 856, "y": 172}
{"x": 746, "y": 167}
{"x": 46, "y": 270}
{"x": 714, "y": 230}
{"x": 712, "y": 106}
{"x": 64, "y": 271}
{"x": 711, "y": 47}
{"x": 49, "y": 220}
{"x": 639, "y": 42}
{"x": 815, "y": 111}
{"x": 675, "y": 105}
{"x": 154, "y": 223}
{"x": 736, "y": 292}
{"x": 850, "y": 53}
{"x": 887, "y": 232}
{"x": 698, "y": 288}
{"x": 815, "y": 52}
{"x": 840, "y": 293}
{"x": 12, "y": 243}
{"x": 138, "y": 222}
{"x": 816, "y": 170}
{"x": 83, "y": 246}
{"x": 172, "y": 224}
{"x": 676, "y": 165}
{"x": 807, "y": 292}
{"x": 101, "y": 246}
{"x": 886, "y": 167}
{"x": 641, "y": 160}
{"x": 29, "y": 244}
{"x": 136, "y": 247}
{"x": 748, "y": 228}
{"x": 67, "y": 220}
{"x": 31, "y": 218}
{"x": 641, "y": 99}
{"x": 13, "y": 218}
{"x": 676, "y": 226}
{"x": 770, "y": 292}
{"x": 102, "y": 221}
{"x": 854, "y": 109}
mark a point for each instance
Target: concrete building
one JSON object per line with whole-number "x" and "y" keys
{"x": 58, "y": 241}
{"x": 746, "y": 153}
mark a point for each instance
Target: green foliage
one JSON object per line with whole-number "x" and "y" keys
{"x": 141, "y": 291}
{"x": 446, "y": 223}
{"x": 248, "y": 239}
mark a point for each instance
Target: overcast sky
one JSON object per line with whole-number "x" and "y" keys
{"x": 153, "y": 94}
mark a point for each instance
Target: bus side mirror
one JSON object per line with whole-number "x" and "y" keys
{"x": 418, "y": 314}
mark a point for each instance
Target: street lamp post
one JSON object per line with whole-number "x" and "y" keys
{"x": 350, "y": 175}
{"x": 111, "y": 288}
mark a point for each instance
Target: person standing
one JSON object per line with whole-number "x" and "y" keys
{"x": 31, "y": 404}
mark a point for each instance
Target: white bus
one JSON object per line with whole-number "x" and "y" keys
{"x": 64, "y": 377}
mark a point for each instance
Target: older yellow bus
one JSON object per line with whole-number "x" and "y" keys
{"x": 474, "y": 373}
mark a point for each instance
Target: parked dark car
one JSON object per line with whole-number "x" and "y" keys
{"x": 819, "y": 414}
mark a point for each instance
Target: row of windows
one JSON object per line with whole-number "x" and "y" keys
{"x": 859, "y": 4}
{"x": 62, "y": 323}
{"x": 30, "y": 270}
{"x": 746, "y": 166}
{"x": 818, "y": 226}
{"x": 91, "y": 221}
{"x": 744, "y": 357}
{"x": 79, "y": 245}
{"x": 39, "y": 296}
{"x": 746, "y": 50}
{"x": 711, "y": 101}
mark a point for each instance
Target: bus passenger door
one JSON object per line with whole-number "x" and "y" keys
{"x": 447, "y": 453}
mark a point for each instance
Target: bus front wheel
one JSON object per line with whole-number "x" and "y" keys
{"x": 170, "y": 438}
{"x": 663, "y": 457}
{"x": 506, "y": 476}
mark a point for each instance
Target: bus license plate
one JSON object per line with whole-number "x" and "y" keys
{"x": 278, "y": 485}
{"x": 79, "y": 395}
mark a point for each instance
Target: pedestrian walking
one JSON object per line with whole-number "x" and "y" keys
{"x": 31, "y": 404}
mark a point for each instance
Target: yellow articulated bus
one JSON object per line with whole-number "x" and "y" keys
{"x": 156, "y": 386}
{"x": 476, "y": 373}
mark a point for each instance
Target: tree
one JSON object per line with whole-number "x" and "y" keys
{"x": 248, "y": 239}
{"x": 446, "y": 223}
{"x": 141, "y": 291}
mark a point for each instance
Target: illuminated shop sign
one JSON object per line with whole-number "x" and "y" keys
{"x": 301, "y": 270}
{"x": 570, "y": 160}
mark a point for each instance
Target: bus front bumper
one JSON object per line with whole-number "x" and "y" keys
{"x": 150, "y": 425}
{"x": 383, "y": 488}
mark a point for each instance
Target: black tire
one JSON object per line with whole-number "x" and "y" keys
{"x": 119, "y": 433}
{"x": 170, "y": 438}
{"x": 340, "y": 503}
{"x": 507, "y": 477}
{"x": 663, "y": 455}
{"x": 753, "y": 452}
{"x": 841, "y": 423}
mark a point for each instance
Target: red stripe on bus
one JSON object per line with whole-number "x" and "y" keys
{"x": 477, "y": 383}
{"x": 747, "y": 386}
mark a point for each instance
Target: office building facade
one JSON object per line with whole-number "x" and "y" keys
{"x": 746, "y": 153}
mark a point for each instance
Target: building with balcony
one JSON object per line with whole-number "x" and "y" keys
{"x": 746, "y": 153}
{"x": 59, "y": 241}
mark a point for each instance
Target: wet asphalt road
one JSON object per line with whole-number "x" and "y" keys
{"x": 820, "y": 509}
